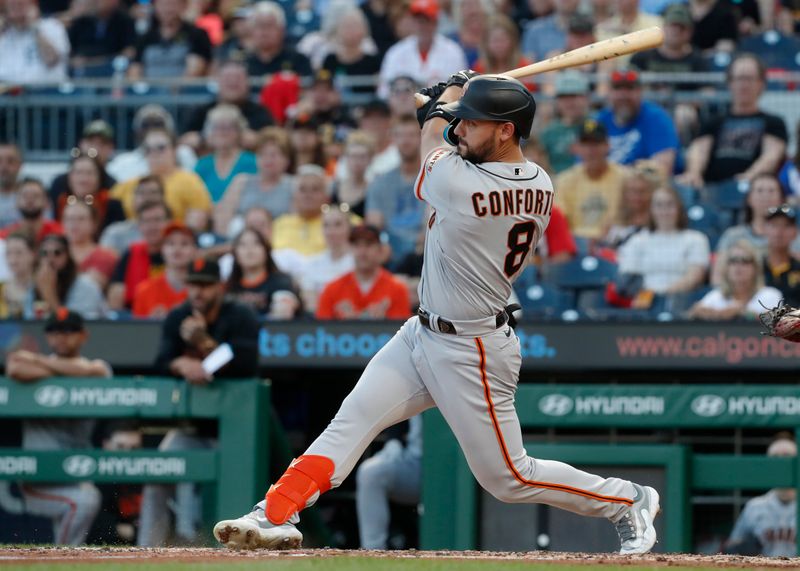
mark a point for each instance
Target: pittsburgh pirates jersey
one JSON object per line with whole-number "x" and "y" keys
{"x": 771, "y": 521}
{"x": 486, "y": 220}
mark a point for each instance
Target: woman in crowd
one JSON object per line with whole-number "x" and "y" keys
{"x": 307, "y": 144}
{"x": 634, "y": 208}
{"x": 764, "y": 193}
{"x": 353, "y": 52}
{"x": 471, "y": 16}
{"x": 741, "y": 291}
{"x": 335, "y": 261}
{"x": 182, "y": 189}
{"x": 499, "y": 50}
{"x": 223, "y": 132}
{"x": 257, "y": 282}
{"x": 270, "y": 187}
{"x": 352, "y": 190}
{"x": 58, "y": 283}
{"x": 85, "y": 184}
{"x": 668, "y": 256}
{"x": 80, "y": 228}
{"x": 18, "y": 289}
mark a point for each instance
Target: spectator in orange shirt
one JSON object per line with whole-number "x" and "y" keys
{"x": 368, "y": 292}
{"x": 155, "y": 296}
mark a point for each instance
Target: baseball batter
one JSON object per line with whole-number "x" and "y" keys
{"x": 489, "y": 206}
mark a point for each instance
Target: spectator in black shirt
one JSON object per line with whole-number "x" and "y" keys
{"x": 746, "y": 141}
{"x": 348, "y": 57}
{"x": 782, "y": 271}
{"x": 715, "y": 27}
{"x": 237, "y": 37}
{"x": 194, "y": 329}
{"x": 256, "y": 281}
{"x": 97, "y": 140}
{"x": 380, "y": 24}
{"x": 172, "y": 47}
{"x": 98, "y": 37}
{"x": 676, "y": 54}
{"x": 190, "y": 333}
{"x": 234, "y": 89}
{"x": 268, "y": 52}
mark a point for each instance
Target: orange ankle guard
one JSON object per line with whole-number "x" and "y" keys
{"x": 306, "y": 476}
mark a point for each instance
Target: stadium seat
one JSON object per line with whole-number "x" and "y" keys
{"x": 728, "y": 197}
{"x": 543, "y": 300}
{"x": 704, "y": 218}
{"x": 778, "y": 52}
{"x": 585, "y": 272}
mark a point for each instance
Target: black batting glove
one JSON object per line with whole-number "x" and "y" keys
{"x": 461, "y": 77}
{"x": 433, "y": 93}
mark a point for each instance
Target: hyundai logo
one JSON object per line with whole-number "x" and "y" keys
{"x": 708, "y": 405}
{"x": 79, "y": 466}
{"x": 556, "y": 405}
{"x": 50, "y": 396}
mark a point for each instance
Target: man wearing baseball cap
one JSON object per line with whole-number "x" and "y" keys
{"x": 189, "y": 334}
{"x": 637, "y": 129}
{"x": 572, "y": 107}
{"x": 425, "y": 56}
{"x": 676, "y": 54}
{"x": 72, "y": 507}
{"x": 589, "y": 192}
{"x": 369, "y": 291}
{"x": 781, "y": 269}
{"x": 155, "y": 296}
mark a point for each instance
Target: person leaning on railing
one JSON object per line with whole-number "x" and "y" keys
{"x": 189, "y": 334}
{"x": 71, "y": 507}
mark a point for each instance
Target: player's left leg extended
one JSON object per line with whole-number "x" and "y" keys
{"x": 473, "y": 381}
{"x": 389, "y": 391}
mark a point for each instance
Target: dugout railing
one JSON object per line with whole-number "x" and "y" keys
{"x": 237, "y": 467}
{"x": 450, "y": 494}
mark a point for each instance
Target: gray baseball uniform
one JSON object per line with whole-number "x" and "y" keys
{"x": 71, "y": 507}
{"x": 486, "y": 220}
{"x": 770, "y": 520}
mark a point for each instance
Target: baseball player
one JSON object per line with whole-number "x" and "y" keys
{"x": 489, "y": 206}
{"x": 767, "y": 524}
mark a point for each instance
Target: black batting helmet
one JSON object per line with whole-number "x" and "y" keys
{"x": 496, "y": 98}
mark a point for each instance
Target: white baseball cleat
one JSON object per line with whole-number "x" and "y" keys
{"x": 637, "y": 534}
{"x": 255, "y": 531}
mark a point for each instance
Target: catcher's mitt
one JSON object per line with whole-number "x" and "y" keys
{"x": 782, "y": 321}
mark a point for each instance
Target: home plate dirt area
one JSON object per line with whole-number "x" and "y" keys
{"x": 207, "y": 559}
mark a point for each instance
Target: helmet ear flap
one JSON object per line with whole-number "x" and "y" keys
{"x": 449, "y": 134}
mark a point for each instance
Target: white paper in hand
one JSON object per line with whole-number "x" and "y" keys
{"x": 217, "y": 359}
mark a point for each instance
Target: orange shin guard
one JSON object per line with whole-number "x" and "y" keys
{"x": 306, "y": 476}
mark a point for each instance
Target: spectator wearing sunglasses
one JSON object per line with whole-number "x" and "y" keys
{"x": 741, "y": 292}
{"x": 637, "y": 129}
{"x": 85, "y": 183}
{"x": 182, "y": 189}
{"x": 58, "y": 283}
{"x": 782, "y": 270}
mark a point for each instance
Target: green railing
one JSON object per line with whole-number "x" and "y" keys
{"x": 450, "y": 493}
{"x": 237, "y": 467}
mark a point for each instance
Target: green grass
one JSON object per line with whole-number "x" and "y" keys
{"x": 327, "y": 564}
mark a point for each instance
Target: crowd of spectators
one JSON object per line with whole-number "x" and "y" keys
{"x": 286, "y": 181}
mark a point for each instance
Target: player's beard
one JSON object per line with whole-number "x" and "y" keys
{"x": 478, "y": 154}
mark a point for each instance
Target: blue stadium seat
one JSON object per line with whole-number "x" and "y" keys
{"x": 687, "y": 193}
{"x": 775, "y": 50}
{"x": 583, "y": 272}
{"x": 542, "y": 299}
{"x": 704, "y": 218}
{"x": 729, "y": 198}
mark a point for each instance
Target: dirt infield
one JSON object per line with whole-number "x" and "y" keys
{"x": 23, "y": 555}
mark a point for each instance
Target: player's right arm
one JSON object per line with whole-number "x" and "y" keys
{"x": 433, "y": 129}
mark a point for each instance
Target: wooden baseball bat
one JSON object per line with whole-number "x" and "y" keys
{"x": 599, "y": 51}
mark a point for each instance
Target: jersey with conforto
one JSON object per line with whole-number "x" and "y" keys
{"x": 486, "y": 221}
